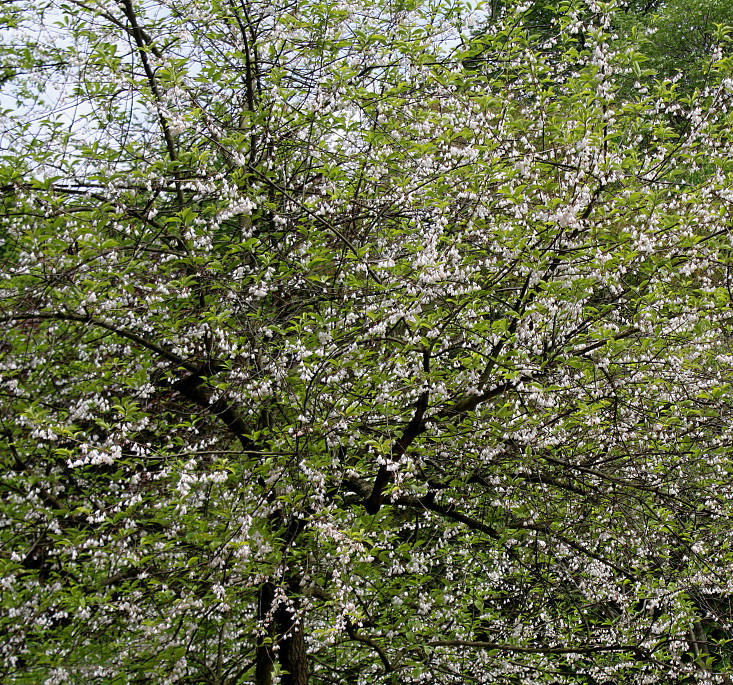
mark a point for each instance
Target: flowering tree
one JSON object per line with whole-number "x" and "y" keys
{"x": 343, "y": 348}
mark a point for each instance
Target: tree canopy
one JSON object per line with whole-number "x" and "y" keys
{"x": 362, "y": 343}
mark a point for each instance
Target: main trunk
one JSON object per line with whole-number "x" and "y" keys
{"x": 285, "y": 642}
{"x": 291, "y": 655}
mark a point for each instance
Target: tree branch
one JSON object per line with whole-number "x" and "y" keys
{"x": 190, "y": 386}
{"x": 388, "y": 668}
{"x": 589, "y": 649}
{"x": 415, "y": 427}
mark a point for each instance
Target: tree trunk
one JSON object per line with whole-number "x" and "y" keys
{"x": 264, "y": 655}
{"x": 292, "y": 653}
{"x": 287, "y": 635}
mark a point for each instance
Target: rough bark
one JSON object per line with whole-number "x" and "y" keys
{"x": 292, "y": 653}
{"x": 289, "y": 642}
{"x": 264, "y": 659}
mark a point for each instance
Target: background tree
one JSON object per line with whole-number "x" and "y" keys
{"x": 329, "y": 360}
{"x": 680, "y": 37}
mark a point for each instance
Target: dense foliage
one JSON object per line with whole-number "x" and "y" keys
{"x": 362, "y": 343}
{"x": 679, "y": 36}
